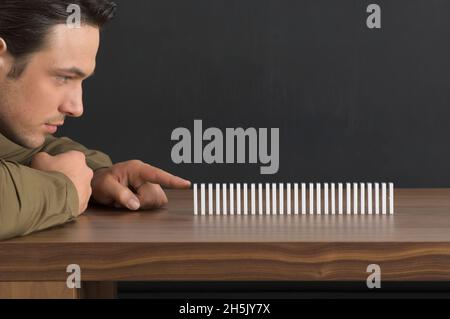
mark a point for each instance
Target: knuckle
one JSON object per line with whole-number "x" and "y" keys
{"x": 40, "y": 154}
{"x": 104, "y": 182}
{"x": 148, "y": 166}
{"x": 87, "y": 174}
{"x": 160, "y": 198}
{"x": 164, "y": 201}
{"x": 135, "y": 162}
{"x": 71, "y": 153}
{"x": 122, "y": 194}
{"x": 39, "y": 157}
{"x": 77, "y": 155}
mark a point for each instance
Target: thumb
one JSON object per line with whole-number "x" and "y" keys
{"x": 123, "y": 195}
{"x": 39, "y": 159}
{"x": 42, "y": 155}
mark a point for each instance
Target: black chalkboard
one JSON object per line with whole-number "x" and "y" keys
{"x": 352, "y": 103}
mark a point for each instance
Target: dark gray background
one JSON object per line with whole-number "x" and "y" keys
{"x": 352, "y": 104}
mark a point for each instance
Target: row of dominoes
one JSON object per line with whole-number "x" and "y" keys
{"x": 226, "y": 199}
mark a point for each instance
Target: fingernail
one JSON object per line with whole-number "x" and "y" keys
{"x": 133, "y": 204}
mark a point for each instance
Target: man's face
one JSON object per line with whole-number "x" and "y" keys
{"x": 50, "y": 88}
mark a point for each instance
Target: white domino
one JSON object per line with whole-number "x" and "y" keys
{"x": 195, "y": 200}
{"x": 231, "y": 199}
{"x": 238, "y": 198}
{"x": 210, "y": 199}
{"x": 363, "y": 199}
{"x": 253, "y": 199}
{"x": 333, "y": 199}
{"x": 281, "y": 199}
{"x": 231, "y": 187}
{"x": 224, "y": 199}
{"x": 245, "y": 199}
{"x": 217, "y": 199}
{"x": 288, "y": 198}
{"x": 348, "y": 192}
{"x": 391, "y": 198}
{"x": 260, "y": 199}
{"x": 303, "y": 198}
{"x": 319, "y": 200}
{"x": 274, "y": 199}
{"x": 377, "y": 198}
{"x": 296, "y": 198}
{"x": 203, "y": 199}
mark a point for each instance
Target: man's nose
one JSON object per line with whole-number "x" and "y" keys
{"x": 73, "y": 106}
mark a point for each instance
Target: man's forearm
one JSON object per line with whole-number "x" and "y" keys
{"x": 94, "y": 159}
{"x": 32, "y": 200}
{"x": 53, "y": 146}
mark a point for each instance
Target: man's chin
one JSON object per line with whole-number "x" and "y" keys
{"x": 34, "y": 142}
{"x": 30, "y": 141}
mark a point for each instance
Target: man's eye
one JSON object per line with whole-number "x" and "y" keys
{"x": 64, "y": 79}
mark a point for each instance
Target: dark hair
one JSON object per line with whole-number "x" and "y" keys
{"x": 24, "y": 24}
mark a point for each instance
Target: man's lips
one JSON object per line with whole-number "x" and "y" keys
{"x": 52, "y": 128}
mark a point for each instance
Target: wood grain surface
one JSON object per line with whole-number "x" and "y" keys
{"x": 173, "y": 244}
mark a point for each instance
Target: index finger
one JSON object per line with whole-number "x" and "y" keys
{"x": 148, "y": 173}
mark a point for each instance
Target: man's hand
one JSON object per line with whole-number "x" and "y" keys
{"x": 73, "y": 165}
{"x": 133, "y": 184}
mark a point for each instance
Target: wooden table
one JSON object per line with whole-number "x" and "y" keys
{"x": 172, "y": 244}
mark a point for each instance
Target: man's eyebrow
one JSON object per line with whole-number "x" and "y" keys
{"x": 76, "y": 71}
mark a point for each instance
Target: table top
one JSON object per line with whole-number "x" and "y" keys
{"x": 173, "y": 244}
{"x": 421, "y": 215}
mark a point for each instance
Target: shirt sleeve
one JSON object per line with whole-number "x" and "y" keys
{"x": 94, "y": 159}
{"x": 33, "y": 200}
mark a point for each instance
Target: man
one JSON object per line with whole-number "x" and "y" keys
{"x": 44, "y": 180}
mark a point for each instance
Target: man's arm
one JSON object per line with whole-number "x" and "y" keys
{"x": 32, "y": 200}
{"x": 53, "y": 146}
{"x": 94, "y": 159}
{"x": 56, "y": 197}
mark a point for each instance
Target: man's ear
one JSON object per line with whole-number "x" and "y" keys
{"x": 3, "y": 51}
{"x": 3, "y": 46}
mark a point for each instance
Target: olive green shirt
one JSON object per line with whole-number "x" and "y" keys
{"x": 32, "y": 200}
